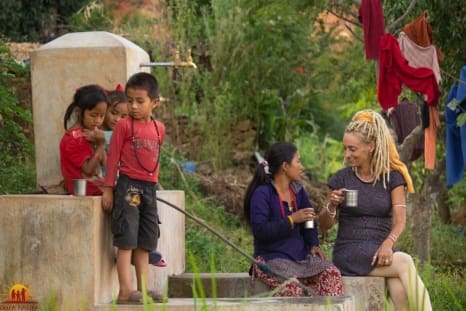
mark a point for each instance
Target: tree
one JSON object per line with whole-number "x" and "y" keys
{"x": 39, "y": 20}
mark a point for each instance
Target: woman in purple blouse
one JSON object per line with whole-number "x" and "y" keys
{"x": 285, "y": 238}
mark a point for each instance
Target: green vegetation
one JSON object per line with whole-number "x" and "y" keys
{"x": 270, "y": 62}
{"x": 17, "y": 172}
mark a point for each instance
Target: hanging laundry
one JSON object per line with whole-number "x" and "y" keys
{"x": 419, "y": 56}
{"x": 404, "y": 119}
{"x": 430, "y": 138}
{"x": 420, "y": 32}
{"x": 371, "y": 17}
{"x": 456, "y": 136}
{"x": 394, "y": 71}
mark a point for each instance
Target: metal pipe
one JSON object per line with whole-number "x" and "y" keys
{"x": 157, "y": 64}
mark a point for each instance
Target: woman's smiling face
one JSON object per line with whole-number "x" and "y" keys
{"x": 357, "y": 152}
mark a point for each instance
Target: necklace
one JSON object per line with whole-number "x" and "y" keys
{"x": 149, "y": 171}
{"x": 369, "y": 180}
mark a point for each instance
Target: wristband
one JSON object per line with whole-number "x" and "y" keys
{"x": 330, "y": 213}
{"x": 392, "y": 237}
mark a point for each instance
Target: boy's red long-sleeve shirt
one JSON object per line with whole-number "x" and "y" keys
{"x": 148, "y": 139}
{"x": 394, "y": 71}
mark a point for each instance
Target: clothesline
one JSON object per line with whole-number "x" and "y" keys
{"x": 453, "y": 77}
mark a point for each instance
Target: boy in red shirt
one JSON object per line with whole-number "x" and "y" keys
{"x": 135, "y": 153}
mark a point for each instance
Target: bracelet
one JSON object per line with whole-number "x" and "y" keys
{"x": 392, "y": 237}
{"x": 330, "y": 213}
{"x": 399, "y": 205}
{"x": 291, "y": 222}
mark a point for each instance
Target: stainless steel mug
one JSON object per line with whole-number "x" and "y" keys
{"x": 309, "y": 224}
{"x": 80, "y": 187}
{"x": 351, "y": 198}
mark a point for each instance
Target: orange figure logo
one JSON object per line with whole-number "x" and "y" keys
{"x": 18, "y": 293}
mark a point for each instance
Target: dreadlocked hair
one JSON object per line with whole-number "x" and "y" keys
{"x": 371, "y": 127}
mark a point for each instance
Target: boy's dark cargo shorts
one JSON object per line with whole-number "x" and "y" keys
{"x": 135, "y": 221}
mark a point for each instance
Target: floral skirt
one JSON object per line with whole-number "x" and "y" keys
{"x": 328, "y": 282}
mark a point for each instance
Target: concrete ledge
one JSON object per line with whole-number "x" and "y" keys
{"x": 61, "y": 245}
{"x": 248, "y": 304}
{"x": 228, "y": 285}
{"x": 368, "y": 292}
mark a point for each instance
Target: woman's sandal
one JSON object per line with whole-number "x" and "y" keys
{"x": 135, "y": 298}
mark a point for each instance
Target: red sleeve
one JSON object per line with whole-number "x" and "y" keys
{"x": 114, "y": 153}
{"x": 161, "y": 127}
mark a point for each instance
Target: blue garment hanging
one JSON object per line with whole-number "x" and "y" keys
{"x": 455, "y": 136}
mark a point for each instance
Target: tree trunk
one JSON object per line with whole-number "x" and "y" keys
{"x": 421, "y": 219}
{"x": 422, "y": 205}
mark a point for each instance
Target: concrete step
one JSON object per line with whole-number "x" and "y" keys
{"x": 243, "y": 304}
{"x": 368, "y": 292}
{"x": 228, "y": 285}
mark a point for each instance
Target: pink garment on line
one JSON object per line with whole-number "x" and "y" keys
{"x": 420, "y": 32}
{"x": 419, "y": 56}
{"x": 394, "y": 71}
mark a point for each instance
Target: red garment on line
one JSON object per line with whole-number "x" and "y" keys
{"x": 373, "y": 24}
{"x": 394, "y": 71}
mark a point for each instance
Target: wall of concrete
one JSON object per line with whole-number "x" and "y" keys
{"x": 61, "y": 245}
{"x": 58, "y": 68}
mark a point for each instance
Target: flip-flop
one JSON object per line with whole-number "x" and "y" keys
{"x": 135, "y": 298}
{"x": 156, "y": 297}
{"x": 160, "y": 263}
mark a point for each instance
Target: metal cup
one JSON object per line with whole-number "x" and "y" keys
{"x": 80, "y": 187}
{"x": 351, "y": 198}
{"x": 309, "y": 224}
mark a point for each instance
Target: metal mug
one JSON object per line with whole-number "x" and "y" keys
{"x": 80, "y": 186}
{"x": 309, "y": 224}
{"x": 351, "y": 198}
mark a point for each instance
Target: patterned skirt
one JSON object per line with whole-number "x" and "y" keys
{"x": 312, "y": 276}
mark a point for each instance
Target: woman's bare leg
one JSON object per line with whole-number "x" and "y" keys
{"x": 403, "y": 267}
{"x": 397, "y": 294}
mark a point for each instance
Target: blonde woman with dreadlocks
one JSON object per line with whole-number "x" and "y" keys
{"x": 367, "y": 234}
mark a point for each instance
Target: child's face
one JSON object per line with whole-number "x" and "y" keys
{"x": 140, "y": 105}
{"x": 93, "y": 118}
{"x": 114, "y": 114}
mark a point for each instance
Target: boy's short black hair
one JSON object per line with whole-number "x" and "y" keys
{"x": 144, "y": 81}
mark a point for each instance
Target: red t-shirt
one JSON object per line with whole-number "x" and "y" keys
{"x": 74, "y": 151}
{"x": 137, "y": 158}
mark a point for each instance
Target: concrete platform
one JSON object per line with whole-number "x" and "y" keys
{"x": 368, "y": 292}
{"x": 61, "y": 246}
{"x": 245, "y": 304}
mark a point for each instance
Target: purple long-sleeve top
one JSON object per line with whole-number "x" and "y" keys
{"x": 274, "y": 236}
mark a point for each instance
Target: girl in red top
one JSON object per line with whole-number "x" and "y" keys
{"x": 82, "y": 147}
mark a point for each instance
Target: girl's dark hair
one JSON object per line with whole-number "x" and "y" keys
{"x": 144, "y": 81}
{"x": 85, "y": 98}
{"x": 116, "y": 97}
{"x": 278, "y": 153}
